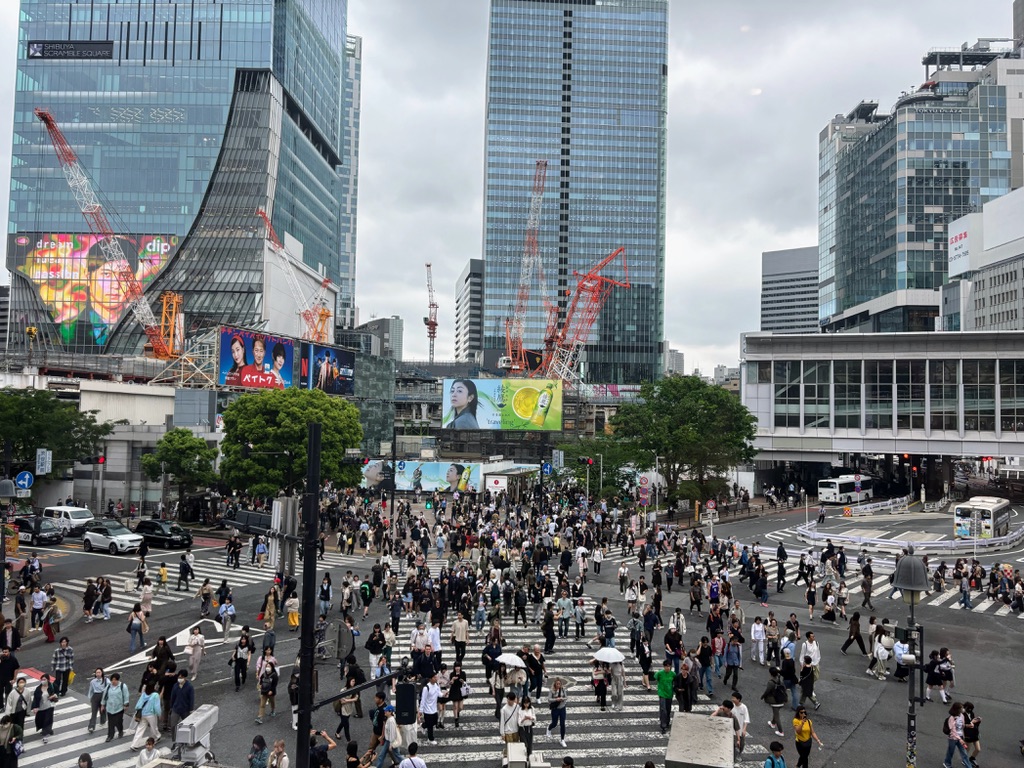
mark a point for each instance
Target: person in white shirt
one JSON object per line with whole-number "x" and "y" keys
{"x": 428, "y": 707}
{"x": 148, "y": 754}
{"x": 810, "y": 648}
{"x": 757, "y": 641}
{"x": 508, "y": 719}
{"x": 742, "y": 715}
{"x": 413, "y": 761}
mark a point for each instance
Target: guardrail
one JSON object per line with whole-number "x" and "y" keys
{"x": 892, "y": 506}
{"x": 809, "y": 533}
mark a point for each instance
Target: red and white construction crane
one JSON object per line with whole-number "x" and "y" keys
{"x": 562, "y": 359}
{"x": 99, "y": 225}
{"x": 530, "y": 270}
{"x": 314, "y": 312}
{"x": 431, "y": 320}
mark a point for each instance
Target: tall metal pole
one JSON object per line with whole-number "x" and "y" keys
{"x": 912, "y": 697}
{"x": 600, "y": 484}
{"x": 588, "y": 485}
{"x": 394, "y": 487}
{"x": 309, "y": 515}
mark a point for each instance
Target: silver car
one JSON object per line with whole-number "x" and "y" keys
{"x": 111, "y": 536}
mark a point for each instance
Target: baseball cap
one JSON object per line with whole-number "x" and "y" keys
{"x": 389, "y": 708}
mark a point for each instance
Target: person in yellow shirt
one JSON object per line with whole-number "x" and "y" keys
{"x": 163, "y": 579}
{"x": 803, "y": 728}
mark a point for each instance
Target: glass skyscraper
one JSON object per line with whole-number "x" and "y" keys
{"x": 890, "y": 184}
{"x": 583, "y": 85}
{"x": 188, "y": 116}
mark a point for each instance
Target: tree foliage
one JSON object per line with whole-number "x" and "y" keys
{"x": 622, "y": 461}
{"x": 36, "y": 418}
{"x": 698, "y": 430}
{"x": 271, "y": 427}
{"x": 184, "y": 456}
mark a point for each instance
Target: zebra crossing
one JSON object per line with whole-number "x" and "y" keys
{"x": 611, "y": 738}
{"x": 212, "y": 567}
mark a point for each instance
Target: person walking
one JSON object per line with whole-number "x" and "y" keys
{"x": 259, "y": 753}
{"x": 803, "y": 732}
{"x": 183, "y": 701}
{"x": 113, "y": 704}
{"x": 775, "y": 696}
{"x": 428, "y": 707}
{"x": 953, "y": 727}
{"x": 97, "y": 688}
{"x": 43, "y": 698}
{"x": 17, "y": 702}
{"x": 557, "y": 700}
{"x": 867, "y": 575}
{"x": 63, "y": 664}
{"x": 775, "y": 759}
{"x": 664, "y": 679}
{"x": 278, "y": 757}
{"x": 147, "y": 715}
{"x": 267, "y": 682}
{"x": 227, "y": 614}
{"x": 508, "y": 720}
{"x": 733, "y": 661}
{"x": 240, "y": 660}
{"x": 137, "y": 628}
{"x": 854, "y": 636}
{"x": 205, "y": 593}
{"x": 807, "y": 683}
{"x": 195, "y": 649}
{"x": 10, "y": 734}
{"x": 185, "y": 573}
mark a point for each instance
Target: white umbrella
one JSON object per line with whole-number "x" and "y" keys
{"x": 609, "y": 655}
{"x": 511, "y": 660}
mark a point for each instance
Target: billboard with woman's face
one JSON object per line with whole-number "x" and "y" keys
{"x": 424, "y": 476}
{"x": 533, "y": 405}
{"x": 255, "y": 360}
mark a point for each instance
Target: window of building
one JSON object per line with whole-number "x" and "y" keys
{"x": 816, "y": 401}
{"x": 979, "y": 395}
{"x": 1011, "y": 395}
{"x": 943, "y": 378}
{"x": 878, "y": 394}
{"x": 847, "y": 375}
{"x": 787, "y": 393}
{"x": 910, "y": 384}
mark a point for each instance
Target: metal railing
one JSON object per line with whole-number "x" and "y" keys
{"x": 810, "y": 533}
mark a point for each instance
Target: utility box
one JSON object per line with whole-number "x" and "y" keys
{"x": 699, "y": 741}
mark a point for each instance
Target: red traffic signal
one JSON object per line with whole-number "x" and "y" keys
{"x": 101, "y": 459}
{"x": 365, "y": 461}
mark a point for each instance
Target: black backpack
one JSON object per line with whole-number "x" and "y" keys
{"x": 779, "y": 693}
{"x": 945, "y": 725}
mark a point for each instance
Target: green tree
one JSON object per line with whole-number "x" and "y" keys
{"x": 622, "y": 460}
{"x": 698, "y": 431}
{"x": 264, "y": 447}
{"x": 184, "y": 456}
{"x": 36, "y": 418}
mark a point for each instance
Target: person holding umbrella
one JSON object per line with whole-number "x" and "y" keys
{"x": 617, "y": 673}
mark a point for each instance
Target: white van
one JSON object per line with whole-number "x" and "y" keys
{"x": 72, "y": 520}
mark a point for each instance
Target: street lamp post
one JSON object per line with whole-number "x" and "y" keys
{"x": 911, "y": 578}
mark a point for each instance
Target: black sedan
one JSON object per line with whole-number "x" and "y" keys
{"x": 163, "y": 533}
{"x": 38, "y": 530}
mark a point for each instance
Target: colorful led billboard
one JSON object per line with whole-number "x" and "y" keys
{"x": 328, "y": 369}
{"x": 513, "y": 404}
{"x": 423, "y": 476}
{"x": 255, "y": 360}
{"x": 76, "y": 282}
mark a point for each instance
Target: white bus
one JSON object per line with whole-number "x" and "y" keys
{"x": 843, "y": 489}
{"x": 992, "y": 516}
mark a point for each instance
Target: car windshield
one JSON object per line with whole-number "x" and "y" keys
{"x": 46, "y": 524}
{"x": 80, "y": 514}
{"x": 176, "y": 529}
{"x": 116, "y": 530}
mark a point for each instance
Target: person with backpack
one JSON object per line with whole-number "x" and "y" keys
{"x": 953, "y": 727}
{"x": 775, "y": 696}
{"x": 775, "y": 759}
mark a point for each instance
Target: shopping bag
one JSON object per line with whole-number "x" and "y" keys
{"x": 71, "y": 677}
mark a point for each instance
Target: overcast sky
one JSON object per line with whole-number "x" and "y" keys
{"x": 751, "y": 84}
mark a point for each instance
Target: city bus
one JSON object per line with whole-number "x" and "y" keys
{"x": 993, "y": 517}
{"x": 843, "y": 489}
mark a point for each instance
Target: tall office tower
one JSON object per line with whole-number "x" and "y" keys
{"x": 890, "y": 184}
{"x": 189, "y": 117}
{"x": 582, "y": 85}
{"x": 789, "y": 290}
{"x": 469, "y": 311}
{"x": 675, "y": 362}
{"x": 345, "y": 316}
{"x": 389, "y": 333}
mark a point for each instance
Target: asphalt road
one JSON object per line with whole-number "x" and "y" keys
{"x": 861, "y": 720}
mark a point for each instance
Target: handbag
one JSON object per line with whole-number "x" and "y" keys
{"x": 552, "y": 705}
{"x": 17, "y": 747}
{"x": 259, "y": 616}
{"x": 138, "y": 716}
{"x": 215, "y": 603}
{"x": 71, "y": 677}
{"x": 145, "y": 626}
{"x": 466, "y": 690}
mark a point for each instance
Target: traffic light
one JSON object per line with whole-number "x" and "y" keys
{"x": 430, "y": 505}
{"x": 586, "y": 460}
{"x": 915, "y": 471}
{"x": 360, "y": 460}
{"x": 100, "y": 459}
{"x": 906, "y": 455}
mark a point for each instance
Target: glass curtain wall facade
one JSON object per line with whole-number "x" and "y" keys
{"x": 584, "y": 86}
{"x": 187, "y": 116}
{"x": 939, "y": 156}
{"x": 345, "y": 314}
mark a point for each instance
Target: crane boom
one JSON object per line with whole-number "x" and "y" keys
{"x": 431, "y": 320}
{"x": 314, "y": 312}
{"x": 592, "y": 291}
{"x": 99, "y": 225}
{"x": 530, "y": 269}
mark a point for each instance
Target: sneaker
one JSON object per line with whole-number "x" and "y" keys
{"x": 432, "y": 743}
{"x": 562, "y": 742}
{"x": 817, "y": 705}
{"x": 547, "y": 732}
{"x": 842, "y": 652}
{"x": 259, "y": 721}
{"x": 779, "y": 733}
